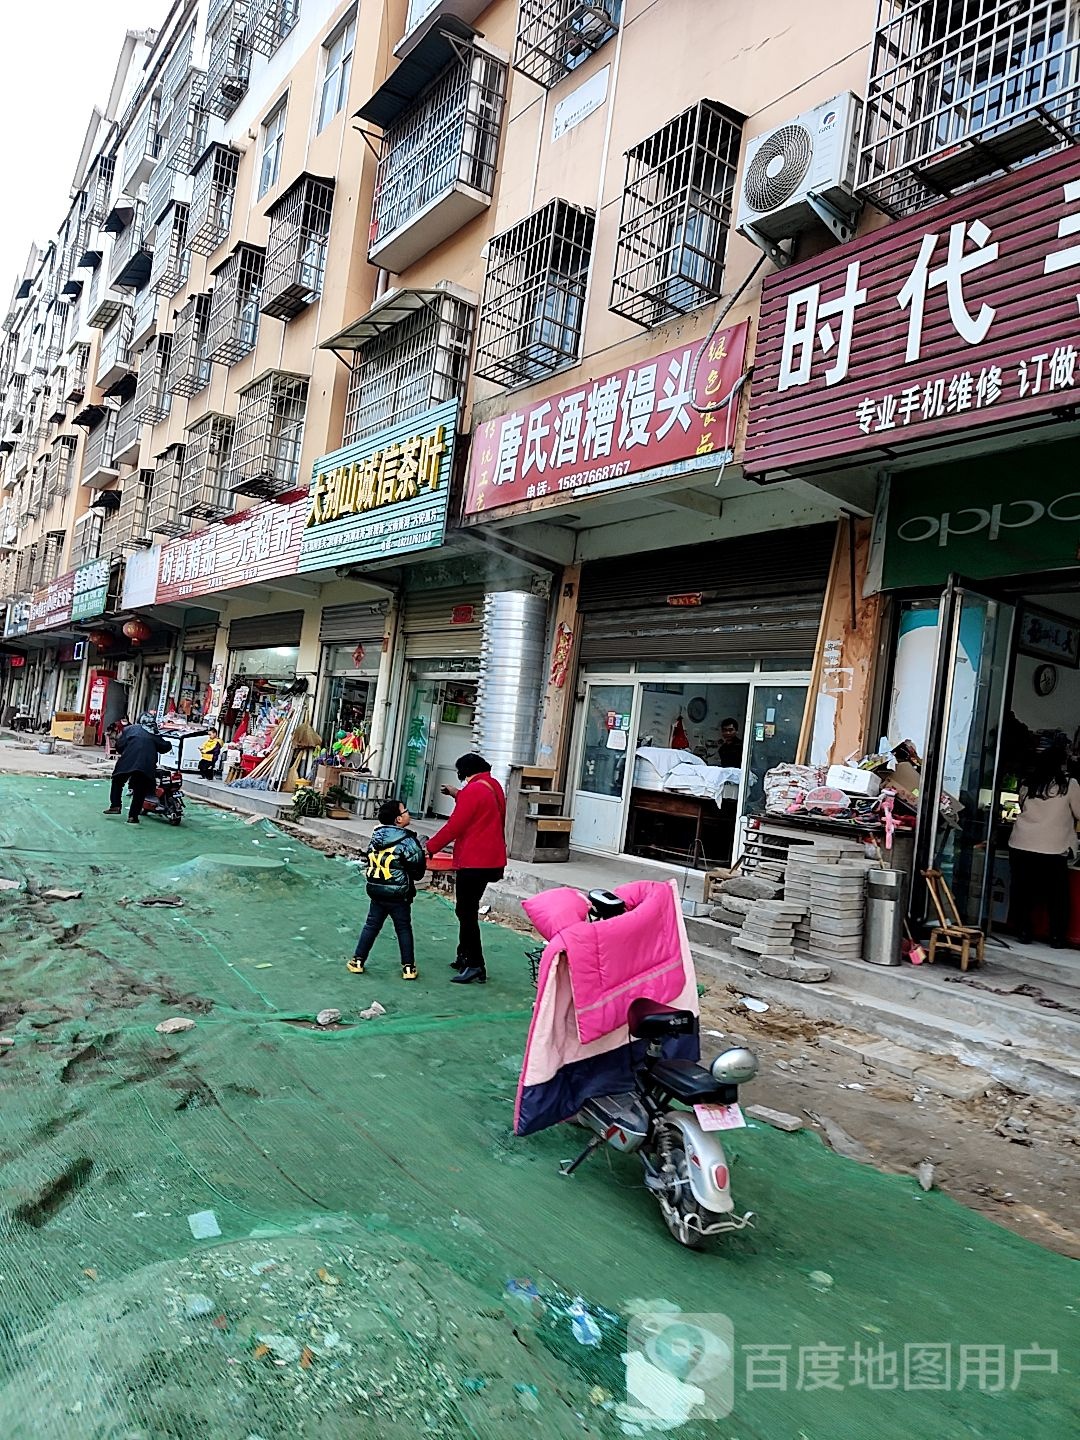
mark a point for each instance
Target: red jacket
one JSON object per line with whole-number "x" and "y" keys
{"x": 477, "y": 827}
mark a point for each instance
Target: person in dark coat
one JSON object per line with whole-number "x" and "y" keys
{"x": 138, "y": 747}
{"x": 395, "y": 861}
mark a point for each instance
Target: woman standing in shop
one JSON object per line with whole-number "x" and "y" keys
{"x": 477, "y": 829}
{"x": 1043, "y": 837}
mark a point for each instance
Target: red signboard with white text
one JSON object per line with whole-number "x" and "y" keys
{"x": 962, "y": 319}
{"x": 676, "y": 406}
{"x": 262, "y": 543}
{"x": 51, "y": 606}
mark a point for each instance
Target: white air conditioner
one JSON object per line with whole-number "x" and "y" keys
{"x": 802, "y": 172}
{"x": 125, "y": 671}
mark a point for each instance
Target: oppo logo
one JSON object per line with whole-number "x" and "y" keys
{"x": 1012, "y": 515}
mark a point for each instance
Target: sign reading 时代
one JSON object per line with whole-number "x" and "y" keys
{"x": 959, "y": 318}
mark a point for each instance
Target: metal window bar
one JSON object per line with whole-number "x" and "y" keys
{"x": 34, "y": 492}
{"x": 132, "y": 530}
{"x": 269, "y": 23}
{"x": 130, "y": 263}
{"x": 56, "y": 410}
{"x": 555, "y": 36}
{"x": 99, "y": 190}
{"x": 959, "y": 90}
{"x": 77, "y": 374}
{"x": 189, "y": 124}
{"x": 98, "y": 450}
{"x": 189, "y": 367}
{"x": 296, "y": 248}
{"x": 229, "y": 66}
{"x": 450, "y": 136}
{"x": 141, "y": 144}
{"x": 128, "y": 432}
{"x": 152, "y": 397}
{"x": 176, "y": 67}
{"x": 48, "y": 558}
{"x": 172, "y": 258}
{"x": 163, "y": 506}
{"x": 115, "y": 352}
{"x": 87, "y": 539}
{"x": 212, "y": 197}
{"x": 61, "y": 463}
{"x": 408, "y": 369}
{"x": 24, "y": 577}
{"x": 204, "y": 493}
{"x": 269, "y": 434}
{"x": 164, "y": 183}
{"x": 676, "y": 214}
{"x": 233, "y": 326}
{"x": 534, "y": 295}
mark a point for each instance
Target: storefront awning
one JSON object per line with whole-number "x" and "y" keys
{"x": 432, "y": 53}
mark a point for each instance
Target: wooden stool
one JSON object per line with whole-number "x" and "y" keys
{"x": 951, "y": 934}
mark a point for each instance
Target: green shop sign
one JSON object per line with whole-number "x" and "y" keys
{"x": 1013, "y": 513}
{"x": 90, "y": 590}
{"x": 383, "y": 496}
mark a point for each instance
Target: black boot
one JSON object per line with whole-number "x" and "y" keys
{"x": 471, "y": 975}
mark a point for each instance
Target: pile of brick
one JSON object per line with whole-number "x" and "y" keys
{"x": 837, "y": 910}
{"x": 762, "y": 924}
{"x": 804, "y": 864}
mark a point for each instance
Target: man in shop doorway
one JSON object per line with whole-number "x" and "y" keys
{"x": 729, "y": 751}
{"x": 139, "y": 747}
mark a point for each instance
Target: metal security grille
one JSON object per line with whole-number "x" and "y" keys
{"x": 114, "y": 358}
{"x": 676, "y": 213}
{"x": 35, "y": 492}
{"x": 296, "y": 249}
{"x": 98, "y": 467}
{"x": 233, "y": 326}
{"x": 128, "y": 434}
{"x": 78, "y": 366}
{"x": 172, "y": 258}
{"x": 203, "y": 493}
{"x": 132, "y": 529}
{"x": 555, "y": 36}
{"x": 450, "y": 136}
{"x": 269, "y": 434}
{"x": 152, "y": 396}
{"x": 189, "y": 122}
{"x": 189, "y": 368}
{"x": 409, "y": 368}
{"x": 47, "y": 566}
{"x": 269, "y": 23}
{"x": 176, "y": 67}
{"x": 130, "y": 262}
{"x": 141, "y": 146}
{"x": 962, "y": 89}
{"x": 24, "y": 572}
{"x": 61, "y": 462}
{"x": 212, "y": 195}
{"x": 163, "y": 507}
{"x": 86, "y": 539}
{"x": 229, "y": 65}
{"x": 99, "y": 189}
{"x": 534, "y": 295}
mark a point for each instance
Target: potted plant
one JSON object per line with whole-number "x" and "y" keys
{"x": 308, "y": 804}
{"x": 336, "y": 798}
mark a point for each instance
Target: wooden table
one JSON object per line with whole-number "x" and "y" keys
{"x": 709, "y": 830}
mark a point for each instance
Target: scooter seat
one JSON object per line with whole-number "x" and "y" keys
{"x": 685, "y": 1080}
{"x": 657, "y": 1022}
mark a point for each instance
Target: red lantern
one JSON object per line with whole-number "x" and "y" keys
{"x": 137, "y": 631}
{"x": 100, "y": 639}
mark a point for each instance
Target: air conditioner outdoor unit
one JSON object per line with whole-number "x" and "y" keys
{"x": 802, "y": 173}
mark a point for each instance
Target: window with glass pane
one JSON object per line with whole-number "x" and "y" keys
{"x": 336, "y": 72}
{"x": 273, "y": 144}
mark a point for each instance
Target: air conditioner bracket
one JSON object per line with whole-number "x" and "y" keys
{"x": 840, "y": 223}
{"x": 779, "y": 257}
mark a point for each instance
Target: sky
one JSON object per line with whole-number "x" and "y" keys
{"x": 56, "y": 63}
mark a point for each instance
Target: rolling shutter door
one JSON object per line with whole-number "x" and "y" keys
{"x": 261, "y": 632}
{"x": 351, "y": 624}
{"x": 430, "y": 628}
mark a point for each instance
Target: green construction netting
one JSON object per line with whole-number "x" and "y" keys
{"x": 391, "y": 1260}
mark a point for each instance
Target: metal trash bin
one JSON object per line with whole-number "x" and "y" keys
{"x": 884, "y": 916}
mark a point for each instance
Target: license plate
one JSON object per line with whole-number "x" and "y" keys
{"x": 720, "y": 1117}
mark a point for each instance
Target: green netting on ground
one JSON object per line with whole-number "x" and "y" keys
{"x": 374, "y": 1206}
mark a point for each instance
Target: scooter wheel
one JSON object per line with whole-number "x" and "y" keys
{"x": 175, "y": 819}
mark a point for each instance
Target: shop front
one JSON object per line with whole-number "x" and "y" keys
{"x": 192, "y": 691}
{"x": 351, "y": 643}
{"x": 263, "y": 660}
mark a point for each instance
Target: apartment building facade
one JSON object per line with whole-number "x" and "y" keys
{"x": 417, "y": 344}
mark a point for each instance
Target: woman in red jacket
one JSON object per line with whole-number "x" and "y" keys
{"x": 478, "y": 831}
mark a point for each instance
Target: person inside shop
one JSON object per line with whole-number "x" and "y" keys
{"x": 729, "y": 751}
{"x": 395, "y": 861}
{"x": 1043, "y": 837}
{"x": 477, "y": 830}
{"x": 209, "y": 753}
{"x": 139, "y": 747}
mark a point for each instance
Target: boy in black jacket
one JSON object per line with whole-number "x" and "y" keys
{"x": 395, "y": 861}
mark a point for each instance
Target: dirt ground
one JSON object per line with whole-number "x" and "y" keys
{"x": 1027, "y": 1179}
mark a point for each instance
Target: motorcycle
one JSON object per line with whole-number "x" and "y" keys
{"x": 167, "y": 797}
{"x": 686, "y": 1169}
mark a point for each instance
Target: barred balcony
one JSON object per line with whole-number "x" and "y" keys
{"x": 99, "y": 468}
{"x": 132, "y": 530}
{"x": 269, "y": 23}
{"x": 61, "y": 466}
{"x": 128, "y": 435}
{"x": 177, "y": 66}
{"x": 140, "y": 147}
{"x": 152, "y": 397}
{"x": 212, "y": 195}
{"x": 132, "y": 254}
{"x": 229, "y": 66}
{"x": 959, "y": 90}
{"x": 204, "y": 492}
{"x": 269, "y": 434}
{"x": 233, "y": 325}
{"x": 165, "y": 186}
{"x": 143, "y": 318}
{"x": 189, "y": 368}
{"x": 172, "y": 258}
{"x": 555, "y": 36}
{"x": 25, "y": 568}
{"x": 77, "y": 372}
{"x": 99, "y": 190}
{"x": 114, "y": 357}
{"x": 47, "y": 564}
{"x": 410, "y": 352}
{"x": 437, "y": 164}
{"x": 189, "y": 122}
{"x": 104, "y": 303}
{"x": 86, "y": 537}
{"x": 296, "y": 249}
{"x": 163, "y": 507}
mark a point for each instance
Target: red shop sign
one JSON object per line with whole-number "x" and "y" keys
{"x": 463, "y": 615}
{"x": 961, "y": 319}
{"x": 691, "y": 598}
{"x": 597, "y": 436}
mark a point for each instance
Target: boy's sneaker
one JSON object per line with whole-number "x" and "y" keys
{"x": 356, "y": 965}
{"x": 408, "y": 972}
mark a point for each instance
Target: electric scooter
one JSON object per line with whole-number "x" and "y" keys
{"x": 166, "y": 800}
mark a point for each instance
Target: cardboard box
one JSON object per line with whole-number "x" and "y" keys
{"x": 326, "y": 776}
{"x": 852, "y": 781}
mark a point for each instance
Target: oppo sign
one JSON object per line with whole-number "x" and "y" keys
{"x": 994, "y": 520}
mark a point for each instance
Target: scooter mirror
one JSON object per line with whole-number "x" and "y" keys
{"x": 734, "y": 1066}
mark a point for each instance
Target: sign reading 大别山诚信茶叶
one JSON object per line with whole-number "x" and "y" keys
{"x": 382, "y": 496}
{"x": 955, "y": 321}
{"x": 1012, "y": 513}
{"x": 90, "y": 590}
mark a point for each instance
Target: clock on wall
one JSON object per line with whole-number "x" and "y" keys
{"x": 1045, "y": 679}
{"x": 697, "y": 710}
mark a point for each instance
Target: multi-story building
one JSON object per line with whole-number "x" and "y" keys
{"x": 408, "y": 350}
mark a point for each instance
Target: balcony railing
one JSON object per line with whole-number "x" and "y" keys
{"x": 212, "y": 196}
{"x": 204, "y": 492}
{"x": 296, "y": 248}
{"x": 962, "y": 89}
{"x": 229, "y": 65}
{"x": 163, "y": 509}
{"x": 265, "y": 458}
{"x": 437, "y": 167}
{"x": 233, "y": 325}
{"x": 99, "y": 468}
{"x": 152, "y": 397}
{"x": 189, "y": 368}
